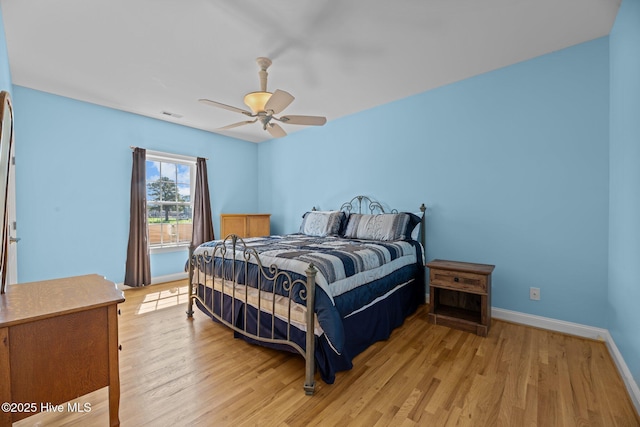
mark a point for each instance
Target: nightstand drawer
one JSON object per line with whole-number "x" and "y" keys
{"x": 458, "y": 280}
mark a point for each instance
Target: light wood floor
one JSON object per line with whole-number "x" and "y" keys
{"x": 178, "y": 372}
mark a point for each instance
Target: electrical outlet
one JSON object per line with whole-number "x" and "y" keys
{"x": 534, "y": 294}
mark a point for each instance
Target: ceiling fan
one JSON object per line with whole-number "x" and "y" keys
{"x": 265, "y": 104}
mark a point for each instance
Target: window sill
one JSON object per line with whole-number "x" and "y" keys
{"x": 172, "y": 248}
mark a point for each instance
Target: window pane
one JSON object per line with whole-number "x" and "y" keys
{"x": 185, "y": 228}
{"x": 152, "y": 170}
{"x": 155, "y": 189}
{"x": 184, "y": 193}
{"x": 168, "y": 190}
{"x": 171, "y": 232}
{"x": 183, "y": 174}
{"x": 168, "y": 170}
{"x": 154, "y": 224}
{"x": 151, "y": 195}
{"x": 152, "y": 176}
{"x": 153, "y": 213}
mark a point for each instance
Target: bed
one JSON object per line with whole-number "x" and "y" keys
{"x": 359, "y": 267}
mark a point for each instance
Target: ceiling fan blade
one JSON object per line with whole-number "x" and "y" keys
{"x": 225, "y": 106}
{"x": 235, "y": 125}
{"x": 278, "y": 101}
{"x": 276, "y": 130}
{"x": 304, "y": 120}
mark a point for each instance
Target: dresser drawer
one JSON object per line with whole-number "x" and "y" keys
{"x": 458, "y": 280}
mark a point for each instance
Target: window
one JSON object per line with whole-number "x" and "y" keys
{"x": 170, "y": 183}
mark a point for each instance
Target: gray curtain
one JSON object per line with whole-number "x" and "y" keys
{"x": 202, "y": 222}
{"x": 138, "y": 266}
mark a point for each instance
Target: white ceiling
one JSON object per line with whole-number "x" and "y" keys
{"x": 336, "y": 57}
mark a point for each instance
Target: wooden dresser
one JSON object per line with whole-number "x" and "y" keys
{"x": 58, "y": 341}
{"x": 460, "y": 295}
{"x": 245, "y": 225}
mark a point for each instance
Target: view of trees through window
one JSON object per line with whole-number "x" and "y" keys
{"x": 169, "y": 202}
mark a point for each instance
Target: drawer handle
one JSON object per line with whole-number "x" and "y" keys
{"x": 456, "y": 279}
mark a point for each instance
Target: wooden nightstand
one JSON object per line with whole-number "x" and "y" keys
{"x": 460, "y": 295}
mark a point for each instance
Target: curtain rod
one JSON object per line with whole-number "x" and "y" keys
{"x": 134, "y": 147}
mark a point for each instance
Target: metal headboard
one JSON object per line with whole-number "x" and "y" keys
{"x": 356, "y": 204}
{"x": 358, "y": 201}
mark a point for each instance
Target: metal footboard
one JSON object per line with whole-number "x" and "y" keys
{"x": 222, "y": 271}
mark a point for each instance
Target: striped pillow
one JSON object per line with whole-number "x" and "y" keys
{"x": 377, "y": 226}
{"x": 322, "y": 223}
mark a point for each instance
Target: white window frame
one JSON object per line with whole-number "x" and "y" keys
{"x": 158, "y": 156}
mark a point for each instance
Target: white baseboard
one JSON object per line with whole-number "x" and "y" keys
{"x": 581, "y": 331}
{"x": 551, "y": 324}
{"x": 632, "y": 386}
{"x": 160, "y": 279}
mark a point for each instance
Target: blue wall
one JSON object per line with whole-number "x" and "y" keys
{"x": 73, "y": 175}
{"x": 624, "y": 222}
{"x": 5, "y": 74}
{"x": 513, "y": 166}
{"x": 526, "y": 167}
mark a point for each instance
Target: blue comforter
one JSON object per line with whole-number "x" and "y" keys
{"x": 351, "y": 273}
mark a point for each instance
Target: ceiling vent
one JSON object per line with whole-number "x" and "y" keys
{"x": 174, "y": 115}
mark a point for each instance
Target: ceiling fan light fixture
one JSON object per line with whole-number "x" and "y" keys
{"x": 257, "y": 100}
